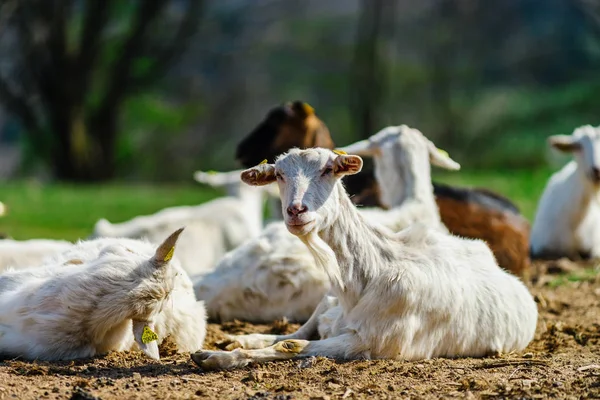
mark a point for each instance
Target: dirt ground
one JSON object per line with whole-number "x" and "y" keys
{"x": 562, "y": 362}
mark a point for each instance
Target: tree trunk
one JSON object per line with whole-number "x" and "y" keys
{"x": 85, "y": 151}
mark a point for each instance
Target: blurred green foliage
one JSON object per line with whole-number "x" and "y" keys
{"x": 489, "y": 82}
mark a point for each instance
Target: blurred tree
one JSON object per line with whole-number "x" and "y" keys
{"x": 368, "y": 83}
{"x": 73, "y": 63}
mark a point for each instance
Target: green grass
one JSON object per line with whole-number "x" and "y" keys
{"x": 579, "y": 276}
{"x": 70, "y": 212}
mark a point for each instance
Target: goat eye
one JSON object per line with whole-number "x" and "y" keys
{"x": 278, "y": 176}
{"x": 327, "y": 171}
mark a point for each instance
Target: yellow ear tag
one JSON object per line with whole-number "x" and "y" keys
{"x": 443, "y": 152}
{"x": 148, "y": 335}
{"x": 169, "y": 255}
{"x": 340, "y": 152}
{"x": 263, "y": 162}
{"x": 308, "y": 109}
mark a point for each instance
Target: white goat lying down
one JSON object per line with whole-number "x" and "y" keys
{"x": 212, "y": 228}
{"x": 403, "y": 157}
{"x": 70, "y": 310}
{"x": 183, "y": 318}
{"x": 567, "y": 221}
{"x": 264, "y": 279}
{"x": 274, "y": 275}
{"x": 28, "y": 253}
{"x": 410, "y": 295}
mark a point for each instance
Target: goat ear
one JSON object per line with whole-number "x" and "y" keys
{"x": 165, "y": 251}
{"x": 217, "y": 179}
{"x": 347, "y": 164}
{"x": 363, "y": 148}
{"x": 262, "y": 174}
{"x": 441, "y": 158}
{"x": 145, "y": 338}
{"x": 564, "y": 143}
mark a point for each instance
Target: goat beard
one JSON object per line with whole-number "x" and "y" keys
{"x": 324, "y": 258}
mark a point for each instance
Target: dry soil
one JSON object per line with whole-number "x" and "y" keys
{"x": 562, "y": 362}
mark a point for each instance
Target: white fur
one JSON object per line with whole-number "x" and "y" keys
{"x": 411, "y": 295}
{"x": 212, "y": 228}
{"x": 274, "y": 274}
{"x": 28, "y": 253}
{"x": 183, "y": 318}
{"x": 266, "y": 278}
{"x": 567, "y": 221}
{"x": 403, "y": 158}
{"x": 77, "y": 309}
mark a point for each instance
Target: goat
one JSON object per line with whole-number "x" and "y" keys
{"x": 212, "y": 228}
{"x": 266, "y": 278}
{"x": 69, "y": 311}
{"x": 403, "y": 156}
{"x": 28, "y": 253}
{"x": 274, "y": 275}
{"x": 567, "y": 220}
{"x": 470, "y": 212}
{"x": 411, "y": 295}
{"x": 184, "y": 318}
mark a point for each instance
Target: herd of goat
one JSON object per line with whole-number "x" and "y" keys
{"x": 387, "y": 264}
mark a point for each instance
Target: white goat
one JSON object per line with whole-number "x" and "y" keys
{"x": 411, "y": 295}
{"x": 28, "y": 253}
{"x": 567, "y": 221}
{"x": 212, "y": 228}
{"x": 266, "y": 278}
{"x": 274, "y": 275}
{"x": 69, "y": 311}
{"x": 403, "y": 158}
{"x": 184, "y": 318}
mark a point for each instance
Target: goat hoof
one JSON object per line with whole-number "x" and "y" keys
{"x": 229, "y": 343}
{"x": 234, "y": 345}
{"x": 200, "y": 356}
{"x": 216, "y": 360}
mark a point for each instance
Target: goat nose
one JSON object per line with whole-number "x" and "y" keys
{"x": 596, "y": 173}
{"x": 296, "y": 208}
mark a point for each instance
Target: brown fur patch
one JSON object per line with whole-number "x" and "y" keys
{"x": 506, "y": 233}
{"x": 74, "y": 261}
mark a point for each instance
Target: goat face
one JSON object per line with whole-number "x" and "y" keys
{"x": 307, "y": 180}
{"x": 584, "y": 143}
{"x": 403, "y": 150}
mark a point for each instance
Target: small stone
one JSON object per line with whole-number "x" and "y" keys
{"x": 307, "y": 363}
{"x": 528, "y": 355}
{"x": 137, "y": 376}
{"x": 527, "y": 383}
